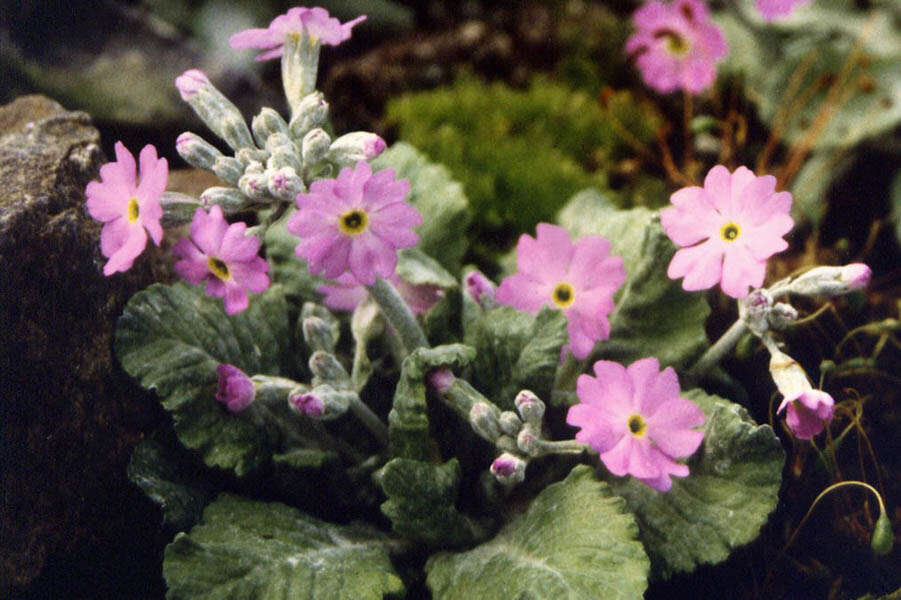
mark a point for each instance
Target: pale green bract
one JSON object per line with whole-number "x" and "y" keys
{"x": 171, "y": 338}
{"x": 722, "y": 504}
{"x": 249, "y": 549}
{"x": 653, "y": 315}
{"x": 575, "y": 541}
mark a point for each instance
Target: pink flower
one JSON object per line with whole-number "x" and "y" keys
{"x": 224, "y": 257}
{"x": 578, "y": 278}
{"x": 355, "y": 222}
{"x": 316, "y": 21}
{"x": 235, "y": 388}
{"x": 775, "y": 9}
{"x": 727, "y": 230}
{"x": 636, "y": 420}
{"x": 807, "y": 413}
{"x": 676, "y": 45}
{"x": 345, "y": 293}
{"x": 129, "y": 207}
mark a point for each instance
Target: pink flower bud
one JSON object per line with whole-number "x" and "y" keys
{"x": 480, "y": 288}
{"x": 440, "y": 380}
{"x": 857, "y": 276}
{"x": 308, "y": 404}
{"x": 190, "y": 82}
{"x": 508, "y": 469}
{"x": 235, "y": 388}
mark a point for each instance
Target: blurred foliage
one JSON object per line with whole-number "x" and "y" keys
{"x": 522, "y": 153}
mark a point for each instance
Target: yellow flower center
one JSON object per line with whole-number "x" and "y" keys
{"x": 133, "y": 212}
{"x": 674, "y": 43}
{"x": 219, "y": 268}
{"x": 637, "y": 425}
{"x": 353, "y": 222}
{"x": 563, "y": 295}
{"x": 730, "y": 232}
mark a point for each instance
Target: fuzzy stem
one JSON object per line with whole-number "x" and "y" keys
{"x": 398, "y": 314}
{"x": 718, "y": 350}
{"x": 370, "y": 420}
{"x": 561, "y": 447}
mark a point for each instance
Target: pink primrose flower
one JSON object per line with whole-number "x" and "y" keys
{"x": 807, "y": 414}
{"x": 355, "y": 222}
{"x": 235, "y": 389}
{"x": 578, "y": 278}
{"x": 128, "y": 206}
{"x": 676, "y": 45}
{"x": 727, "y": 229}
{"x": 636, "y": 420}
{"x": 316, "y": 21}
{"x": 345, "y": 293}
{"x": 771, "y": 10}
{"x": 224, "y": 257}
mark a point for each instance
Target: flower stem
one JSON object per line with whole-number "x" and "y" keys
{"x": 398, "y": 314}
{"x": 370, "y": 420}
{"x": 561, "y": 447}
{"x": 718, "y": 350}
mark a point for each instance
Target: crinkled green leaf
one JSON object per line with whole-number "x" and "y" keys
{"x": 408, "y": 423}
{"x": 576, "y": 541}
{"x": 822, "y": 38}
{"x": 172, "y": 338}
{"x": 438, "y": 198}
{"x": 515, "y": 351}
{"x": 722, "y": 504}
{"x": 654, "y": 316}
{"x": 249, "y": 549}
{"x": 418, "y": 268}
{"x": 166, "y": 475}
{"x": 421, "y": 502}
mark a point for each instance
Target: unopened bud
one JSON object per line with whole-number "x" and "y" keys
{"x": 310, "y": 113}
{"x": 508, "y": 469}
{"x": 254, "y": 185}
{"x": 480, "y": 288}
{"x": 755, "y": 308}
{"x": 235, "y": 389}
{"x": 196, "y": 151}
{"x": 190, "y": 83}
{"x": 228, "y": 168}
{"x": 267, "y": 123}
{"x": 509, "y": 423}
{"x": 284, "y": 157}
{"x": 832, "y": 281}
{"x": 318, "y": 334}
{"x": 228, "y": 199}
{"x": 322, "y": 402}
{"x": 252, "y": 158}
{"x": 440, "y": 379}
{"x": 315, "y": 146}
{"x": 781, "y": 316}
{"x": 883, "y": 538}
{"x": 284, "y": 184}
{"x": 484, "y": 422}
{"x": 351, "y": 148}
{"x": 178, "y": 209}
{"x": 530, "y": 408}
{"x": 527, "y": 440}
{"x": 217, "y": 112}
{"x": 327, "y": 370}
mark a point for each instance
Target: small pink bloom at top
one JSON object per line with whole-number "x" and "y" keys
{"x": 224, "y": 257}
{"x": 579, "y": 279}
{"x": 807, "y": 414}
{"x": 317, "y": 22}
{"x": 356, "y": 222}
{"x": 636, "y": 420}
{"x": 726, "y": 229}
{"x": 771, "y": 10}
{"x": 676, "y": 45}
{"x": 345, "y": 293}
{"x": 235, "y": 389}
{"x": 128, "y": 205}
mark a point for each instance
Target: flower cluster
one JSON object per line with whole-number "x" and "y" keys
{"x": 727, "y": 230}
{"x": 578, "y": 278}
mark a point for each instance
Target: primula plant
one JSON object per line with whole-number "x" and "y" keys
{"x": 360, "y": 415}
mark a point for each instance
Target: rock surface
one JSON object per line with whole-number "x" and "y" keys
{"x": 68, "y": 415}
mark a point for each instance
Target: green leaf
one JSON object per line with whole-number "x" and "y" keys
{"x": 576, "y": 541}
{"x": 168, "y": 478}
{"x": 654, "y": 316}
{"x": 516, "y": 351}
{"x": 249, "y": 549}
{"x": 722, "y": 504}
{"x": 437, "y": 197}
{"x": 418, "y": 268}
{"x": 421, "y": 499}
{"x": 811, "y": 185}
{"x": 408, "y": 422}
{"x": 172, "y": 338}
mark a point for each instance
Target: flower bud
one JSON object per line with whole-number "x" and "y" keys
{"x": 252, "y": 157}
{"x": 755, "y": 309}
{"x": 327, "y": 370}
{"x": 527, "y": 440}
{"x": 509, "y": 423}
{"x": 832, "y": 281}
{"x": 214, "y": 109}
{"x": 228, "y": 168}
{"x": 318, "y": 334}
{"x": 235, "y": 389}
{"x": 283, "y": 184}
{"x": 254, "y": 185}
{"x": 267, "y": 123}
{"x": 190, "y": 83}
{"x": 178, "y": 209}
{"x": 284, "y": 157}
{"x": 322, "y": 402}
{"x": 310, "y": 113}
{"x": 351, "y": 148}
{"x": 781, "y": 315}
{"x": 196, "y": 151}
{"x": 484, "y": 422}
{"x": 530, "y": 407}
{"x": 883, "y": 538}
{"x": 315, "y": 146}
{"x": 480, "y": 288}
{"x": 440, "y": 379}
{"x": 229, "y": 199}
{"x": 508, "y": 469}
